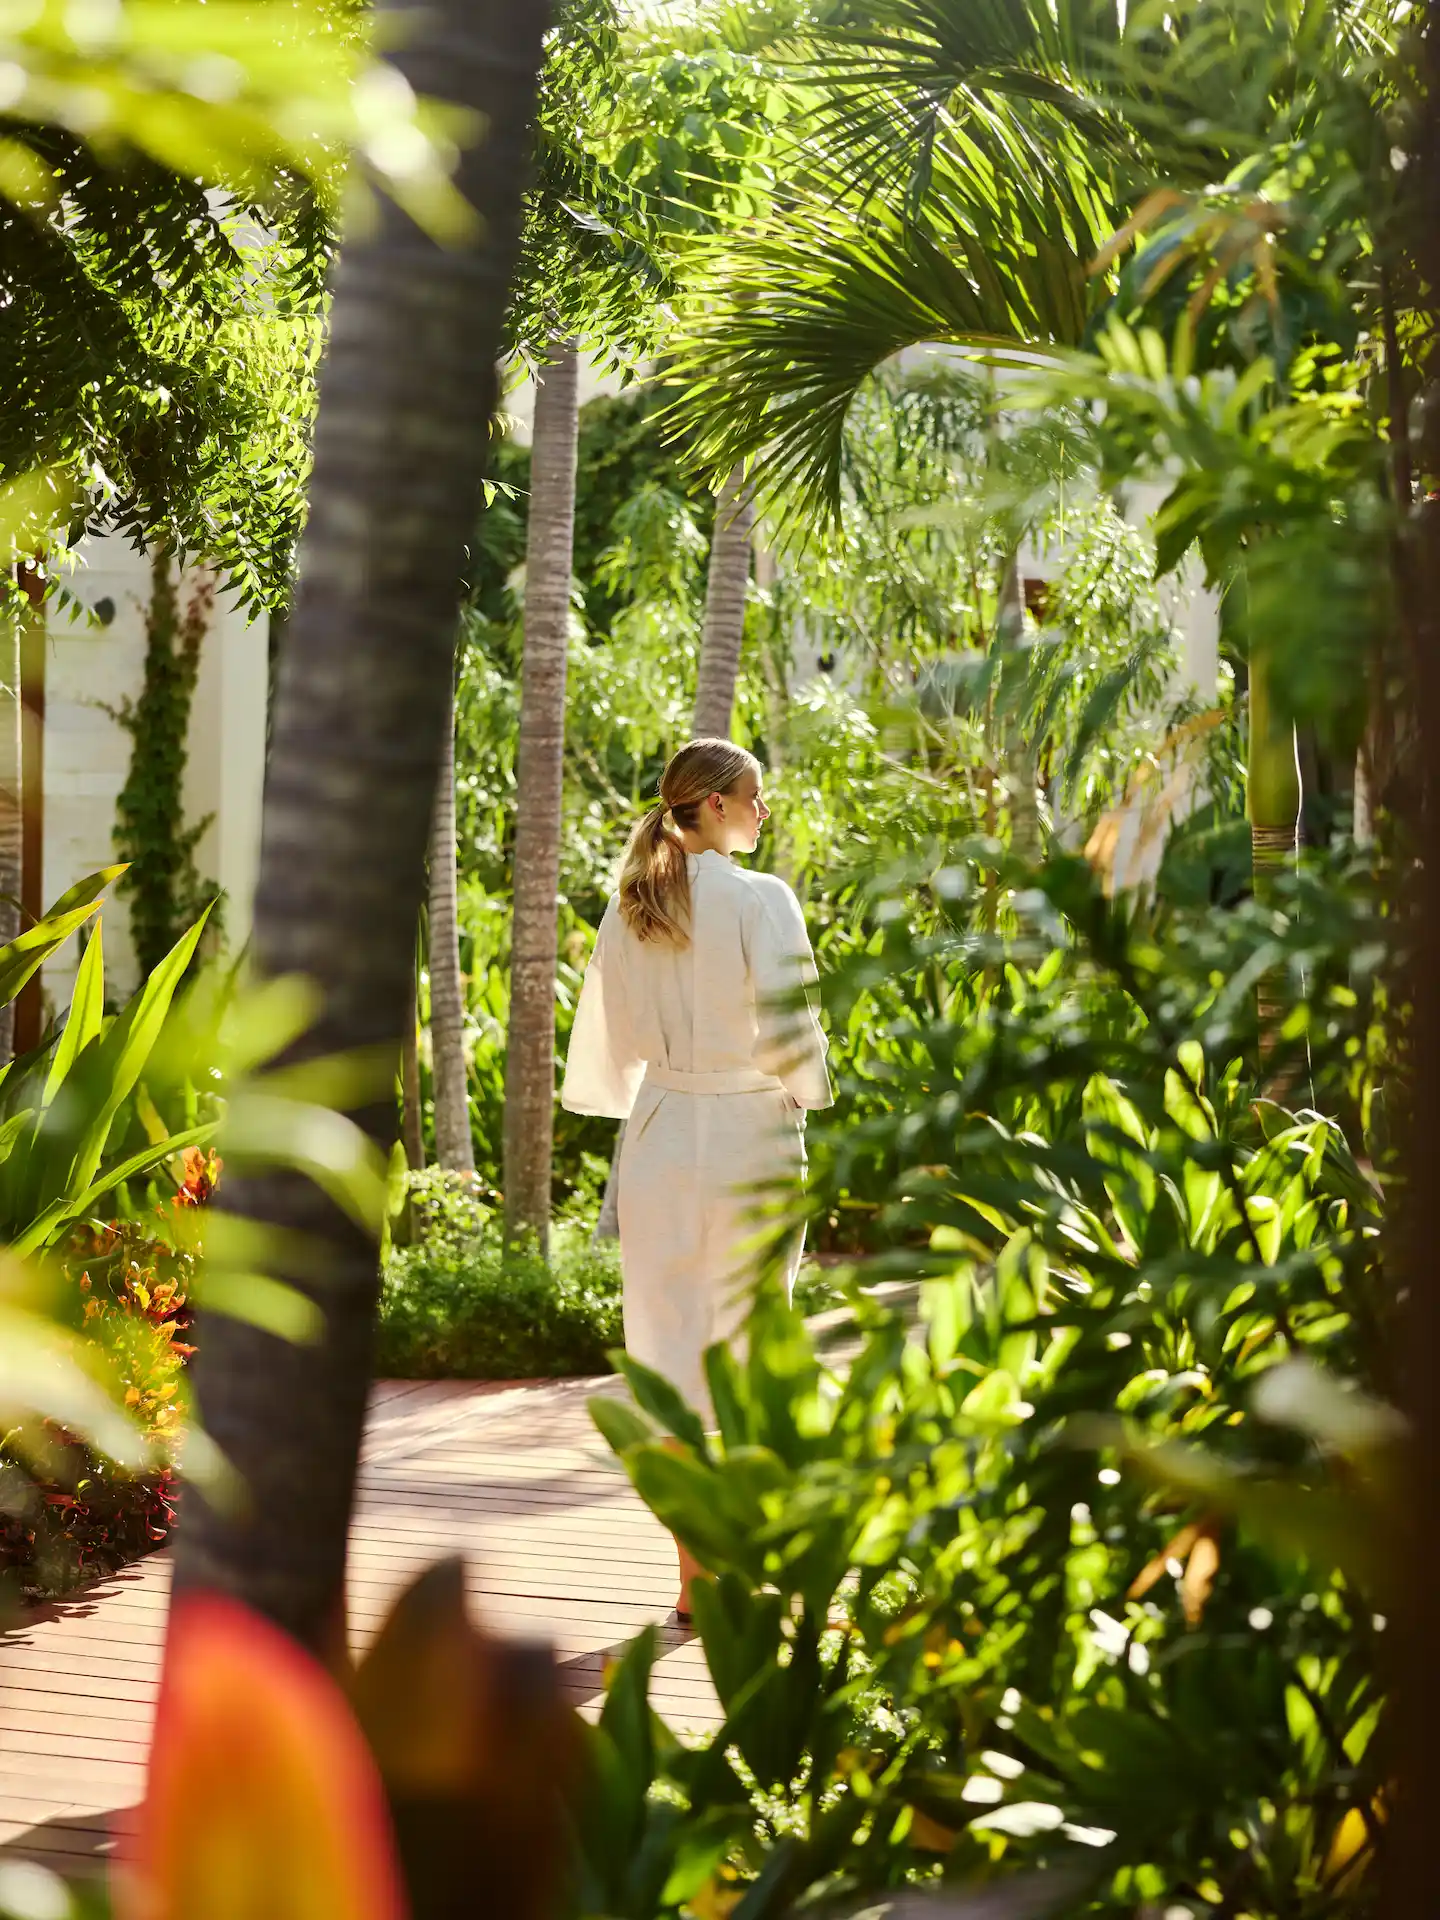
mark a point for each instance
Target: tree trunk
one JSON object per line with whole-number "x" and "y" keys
{"x": 11, "y": 844}
{"x": 1272, "y": 800}
{"x": 1018, "y": 748}
{"x": 454, "y": 1148}
{"x": 723, "y": 633}
{"x": 406, "y": 398}
{"x": 412, "y": 1119}
{"x": 539, "y": 782}
{"x": 29, "y": 1022}
{"x": 607, "y": 1223}
{"x": 1412, "y": 1867}
{"x": 777, "y": 708}
{"x": 721, "y": 639}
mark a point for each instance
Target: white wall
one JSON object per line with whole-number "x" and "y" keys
{"x": 90, "y": 669}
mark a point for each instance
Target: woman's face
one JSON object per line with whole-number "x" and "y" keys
{"x": 739, "y": 814}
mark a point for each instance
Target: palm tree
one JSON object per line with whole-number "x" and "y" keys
{"x": 11, "y": 816}
{"x": 454, "y": 1147}
{"x": 723, "y": 632}
{"x": 721, "y": 638}
{"x": 539, "y": 784}
{"x": 406, "y": 396}
{"x": 960, "y": 188}
{"x": 412, "y": 1126}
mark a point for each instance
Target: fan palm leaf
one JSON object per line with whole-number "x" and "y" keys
{"x": 899, "y": 75}
{"x": 796, "y": 317}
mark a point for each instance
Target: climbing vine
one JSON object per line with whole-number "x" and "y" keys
{"x": 165, "y": 890}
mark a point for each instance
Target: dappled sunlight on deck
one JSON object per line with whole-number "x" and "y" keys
{"x": 514, "y": 1478}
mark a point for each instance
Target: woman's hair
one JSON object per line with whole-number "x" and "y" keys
{"x": 654, "y": 881}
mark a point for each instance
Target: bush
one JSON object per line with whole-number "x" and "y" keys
{"x": 66, "y": 1515}
{"x": 1087, "y": 1576}
{"x": 454, "y": 1305}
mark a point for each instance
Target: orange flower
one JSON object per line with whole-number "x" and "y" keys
{"x": 202, "y": 1176}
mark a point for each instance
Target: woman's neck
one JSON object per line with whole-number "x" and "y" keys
{"x": 697, "y": 844}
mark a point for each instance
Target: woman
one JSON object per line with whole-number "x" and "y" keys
{"x": 692, "y": 1027}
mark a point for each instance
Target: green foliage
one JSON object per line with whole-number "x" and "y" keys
{"x": 456, "y": 1305}
{"x": 1284, "y": 498}
{"x": 591, "y": 260}
{"x": 63, "y": 1109}
{"x": 162, "y": 349}
{"x": 69, "y": 1514}
{"x": 166, "y": 893}
{"x": 1085, "y": 1574}
{"x": 983, "y": 179}
{"x": 933, "y": 718}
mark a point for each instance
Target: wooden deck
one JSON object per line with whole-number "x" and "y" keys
{"x": 514, "y": 1477}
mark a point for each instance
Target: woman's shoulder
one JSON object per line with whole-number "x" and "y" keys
{"x": 768, "y": 893}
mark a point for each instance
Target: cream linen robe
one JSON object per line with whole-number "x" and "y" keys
{"x": 695, "y": 1047}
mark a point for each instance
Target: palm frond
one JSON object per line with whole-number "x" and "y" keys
{"x": 795, "y": 318}
{"x": 899, "y": 76}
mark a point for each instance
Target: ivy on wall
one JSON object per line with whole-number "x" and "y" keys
{"x": 165, "y": 890}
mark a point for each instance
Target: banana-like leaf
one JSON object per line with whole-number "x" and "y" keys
{"x": 114, "y": 1066}
{"x": 25, "y": 955}
{"x": 87, "y": 1015}
{"x": 86, "y": 892}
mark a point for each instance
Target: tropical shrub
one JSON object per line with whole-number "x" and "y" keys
{"x": 65, "y": 1109}
{"x": 456, "y": 1304}
{"x": 72, "y": 1515}
{"x": 1091, "y": 1578}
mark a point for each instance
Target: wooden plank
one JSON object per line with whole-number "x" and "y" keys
{"x": 512, "y": 1476}
{"x": 70, "y": 1661}
{"x": 107, "y": 1782}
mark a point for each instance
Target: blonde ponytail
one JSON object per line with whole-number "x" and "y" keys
{"x": 654, "y": 879}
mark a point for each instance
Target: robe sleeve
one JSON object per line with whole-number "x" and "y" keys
{"x": 791, "y": 1042}
{"x": 603, "y": 1070}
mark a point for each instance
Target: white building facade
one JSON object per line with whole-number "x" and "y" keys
{"x": 93, "y": 666}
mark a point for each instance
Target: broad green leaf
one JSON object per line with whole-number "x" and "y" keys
{"x": 620, "y": 1424}
{"x": 85, "y": 892}
{"x": 118, "y": 1061}
{"x": 23, "y": 956}
{"x": 87, "y": 1015}
{"x": 664, "y": 1404}
{"x": 74, "y": 1206}
{"x": 680, "y": 1491}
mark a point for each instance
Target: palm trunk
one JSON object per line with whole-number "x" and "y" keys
{"x": 454, "y": 1148}
{"x": 1272, "y": 800}
{"x": 1411, "y": 1882}
{"x": 1017, "y": 747}
{"x": 412, "y": 1119}
{"x": 29, "y": 1024}
{"x": 406, "y": 397}
{"x": 539, "y": 783}
{"x": 721, "y": 639}
{"x": 723, "y": 633}
{"x": 777, "y": 709}
{"x": 11, "y": 841}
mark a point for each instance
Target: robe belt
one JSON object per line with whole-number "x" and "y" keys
{"x": 739, "y": 1080}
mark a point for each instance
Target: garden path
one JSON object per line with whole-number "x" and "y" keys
{"x": 514, "y": 1477}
